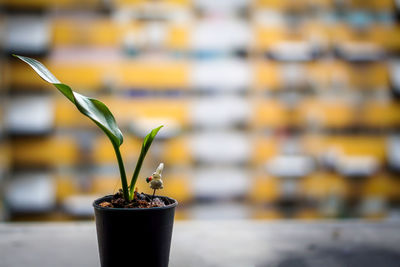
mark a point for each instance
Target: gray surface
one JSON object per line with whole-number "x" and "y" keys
{"x": 216, "y": 243}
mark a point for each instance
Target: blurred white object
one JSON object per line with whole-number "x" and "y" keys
{"x": 360, "y": 51}
{"x": 29, "y": 114}
{"x": 220, "y": 183}
{"x": 293, "y": 75}
{"x": 220, "y": 35}
{"x": 27, "y": 34}
{"x": 290, "y": 166}
{"x": 220, "y": 147}
{"x": 373, "y": 206}
{"x": 221, "y": 6}
{"x": 103, "y": 56}
{"x": 133, "y": 41}
{"x": 393, "y": 150}
{"x": 31, "y": 192}
{"x": 219, "y": 112}
{"x": 141, "y": 127}
{"x": 293, "y": 51}
{"x": 221, "y": 75}
{"x": 357, "y": 165}
{"x": 289, "y": 188}
{"x": 394, "y": 71}
{"x": 330, "y": 157}
{"x": 151, "y": 11}
{"x": 79, "y": 205}
{"x": 331, "y": 206}
{"x": 270, "y": 17}
{"x": 393, "y": 215}
{"x": 156, "y": 34}
{"x": 218, "y": 211}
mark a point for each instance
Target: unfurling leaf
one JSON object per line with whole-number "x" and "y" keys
{"x": 90, "y": 107}
{"x": 145, "y": 147}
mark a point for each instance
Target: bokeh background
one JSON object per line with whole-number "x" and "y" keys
{"x": 272, "y": 108}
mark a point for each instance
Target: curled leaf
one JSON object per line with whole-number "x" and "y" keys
{"x": 145, "y": 147}
{"x": 90, "y": 107}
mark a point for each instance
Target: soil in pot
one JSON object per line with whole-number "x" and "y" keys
{"x": 140, "y": 200}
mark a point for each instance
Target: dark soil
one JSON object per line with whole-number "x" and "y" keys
{"x": 140, "y": 200}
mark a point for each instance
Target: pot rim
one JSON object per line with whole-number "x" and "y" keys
{"x": 169, "y": 206}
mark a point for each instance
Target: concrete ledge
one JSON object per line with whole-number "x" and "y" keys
{"x": 216, "y": 243}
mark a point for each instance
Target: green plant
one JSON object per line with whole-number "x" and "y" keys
{"x": 103, "y": 118}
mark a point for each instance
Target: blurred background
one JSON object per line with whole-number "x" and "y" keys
{"x": 272, "y": 108}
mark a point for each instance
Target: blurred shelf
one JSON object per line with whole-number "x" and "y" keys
{"x": 350, "y": 145}
{"x": 220, "y": 147}
{"x": 170, "y": 75}
{"x": 320, "y": 185}
{"x": 219, "y": 111}
{"x": 103, "y": 152}
{"x": 381, "y": 185}
{"x": 265, "y": 148}
{"x": 325, "y": 113}
{"x": 179, "y": 187}
{"x": 267, "y": 75}
{"x": 287, "y": 4}
{"x": 272, "y": 109}
{"x": 47, "y": 4}
{"x": 132, "y": 36}
{"x": 29, "y": 115}
{"x": 5, "y": 159}
{"x": 266, "y": 214}
{"x": 66, "y": 186}
{"x": 67, "y": 116}
{"x": 221, "y": 75}
{"x": 264, "y": 190}
{"x": 381, "y": 114}
{"x": 45, "y": 151}
{"x": 86, "y": 31}
{"x": 32, "y": 192}
{"x": 129, "y": 110}
{"x": 26, "y": 34}
{"x": 270, "y": 113}
{"x": 18, "y": 75}
{"x": 176, "y": 152}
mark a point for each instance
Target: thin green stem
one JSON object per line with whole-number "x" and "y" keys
{"x": 122, "y": 173}
{"x": 136, "y": 174}
{"x": 152, "y": 197}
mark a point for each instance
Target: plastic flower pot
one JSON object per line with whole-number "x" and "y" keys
{"x": 134, "y": 236}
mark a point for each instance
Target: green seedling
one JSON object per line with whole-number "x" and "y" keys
{"x": 103, "y": 118}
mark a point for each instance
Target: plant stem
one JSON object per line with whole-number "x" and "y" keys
{"x": 136, "y": 174}
{"x": 122, "y": 173}
{"x": 152, "y": 197}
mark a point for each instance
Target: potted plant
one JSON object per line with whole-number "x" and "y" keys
{"x": 133, "y": 229}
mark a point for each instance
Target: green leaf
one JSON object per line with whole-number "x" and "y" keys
{"x": 145, "y": 147}
{"x": 149, "y": 138}
{"x": 90, "y": 107}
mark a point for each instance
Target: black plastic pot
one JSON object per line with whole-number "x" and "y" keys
{"x": 134, "y": 237}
